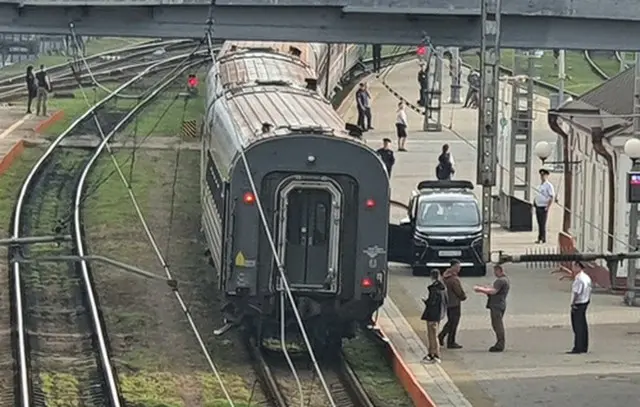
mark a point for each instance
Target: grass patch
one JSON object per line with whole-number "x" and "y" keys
{"x": 160, "y": 363}
{"x": 580, "y": 77}
{"x": 377, "y": 377}
{"x": 165, "y": 117}
{"x": 93, "y": 46}
{"x": 11, "y": 181}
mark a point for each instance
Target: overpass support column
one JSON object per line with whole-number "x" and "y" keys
{"x": 521, "y": 140}
{"x": 488, "y": 112}
{"x": 454, "y": 70}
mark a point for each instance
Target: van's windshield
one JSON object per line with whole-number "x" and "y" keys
{"x": 448, "y": 214}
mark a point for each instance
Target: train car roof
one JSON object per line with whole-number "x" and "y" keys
{"x": 288, "y": 110}
{"x": 248, "y": 67}
{"x": 300, "y": 50}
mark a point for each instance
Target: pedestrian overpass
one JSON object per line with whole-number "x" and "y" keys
{"x": 567, "y": 24}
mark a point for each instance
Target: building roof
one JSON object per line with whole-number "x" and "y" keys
{"x": 614, "y": 96}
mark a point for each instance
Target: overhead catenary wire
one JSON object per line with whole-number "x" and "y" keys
{"x": 283, "y": 278}
{"x": 159, "y": 255}
{"x": 579, "y": 216}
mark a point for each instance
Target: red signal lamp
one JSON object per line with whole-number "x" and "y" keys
{"x": 248, "y": 198}
{"x": 421, "y": 51}
{"x": 366, "y": 282}
{"x": 192, "y": 81}
{"x": 370, "y": 203}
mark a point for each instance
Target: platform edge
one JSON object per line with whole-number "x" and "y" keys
{"x": 11, "y": 156}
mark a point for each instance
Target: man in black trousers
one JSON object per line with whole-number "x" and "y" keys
{"x": 455, "y": 295}
{"x": 580, "y": 299}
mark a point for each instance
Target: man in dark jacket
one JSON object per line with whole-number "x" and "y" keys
{"x": 455, "y": 294}
{"x": 474, "y": 87}
{"x": 434, "y": 311}
{"x": 445, "y": 168}
{"x": 423, "y": 83}
{"x": 386, "y": 154}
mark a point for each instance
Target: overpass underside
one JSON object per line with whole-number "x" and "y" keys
{"x": 318, "y": 23}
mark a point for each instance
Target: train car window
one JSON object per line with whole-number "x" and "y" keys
{"x": 321, "y": 226}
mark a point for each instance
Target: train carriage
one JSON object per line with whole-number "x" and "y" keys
{"x": 323, "y": 193}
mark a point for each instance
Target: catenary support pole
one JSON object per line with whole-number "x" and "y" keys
{"x": 632, "y": 270}
{"x": 488, "y": 112}
{"x": 433, "y": 111}
{"x": 521, "y": 141}
{"x": 562, "y": 76}
{"x": 455, "y": 72}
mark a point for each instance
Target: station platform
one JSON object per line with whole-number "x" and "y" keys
{"x": 15, "y": 127}
{"x": 534, "y": 369}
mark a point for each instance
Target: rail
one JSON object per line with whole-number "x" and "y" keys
{"x": 53, "y": 71}
{"x": 106, "y": 70}
{"x": 24, "y": 383}
{"x": 594, "y": 66}
{"x": 342, "y": 379}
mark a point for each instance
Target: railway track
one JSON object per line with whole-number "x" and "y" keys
{"x": 280, "y": 387}
{"x": 121, "y": 65}
{"x": 60, "y": 341}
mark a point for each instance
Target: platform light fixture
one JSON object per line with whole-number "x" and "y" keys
{"x": 632, "y": 149}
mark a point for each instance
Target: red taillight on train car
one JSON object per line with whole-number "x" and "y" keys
{"x": 370, "y": 203}
{"x": 366, "y": 282}
{"x": 248, "y": 198}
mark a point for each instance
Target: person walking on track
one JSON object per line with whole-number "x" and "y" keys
{"x": 44, "y": 87}
{"x": 435, "y": 309}
{"x": 455, "y": 296}
{"x": 497, "y": 305}
{"x": 542, "y": 203}
{"x": 401, "y": 126}
{"x": 580, "y": 299}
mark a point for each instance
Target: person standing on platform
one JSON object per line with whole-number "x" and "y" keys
{"x": 44, "y": 87}
{"x": 445, "y": 168}
{"x": 435, "y": 303}
{"x": 401, "y": 126}
{"x": 363, "y": 101}
{"x": 474, "y": 87}
{"x": 386, "y": 155}
{"x": 497, "y": 305}
{"x": 455, "y": 296}
{"x": 542, "y": 203}
{"x": 580, "y": 299}
{"x": 32, "y": 87}
{"x": 423, "y": 83}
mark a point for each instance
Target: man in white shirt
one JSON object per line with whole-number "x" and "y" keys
{"x": 580, "y": 298}
{"x": 542, "y": 203}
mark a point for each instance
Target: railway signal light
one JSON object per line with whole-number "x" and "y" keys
{"x": 370, "y": 203}
{"x": 192, "y": 84}
{"x": 422, "y": 50}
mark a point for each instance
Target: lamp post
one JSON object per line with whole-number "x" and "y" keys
{"x": 632, "y": 150}
{"x": 543, "y": 150}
